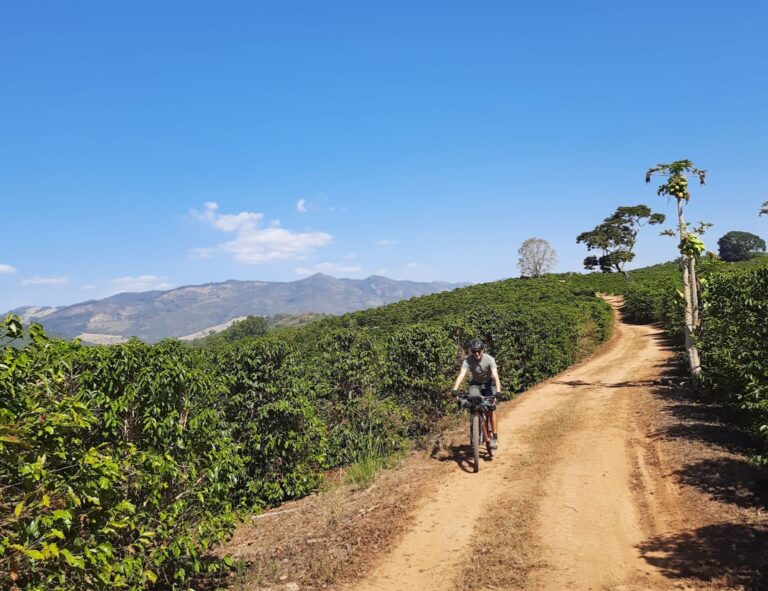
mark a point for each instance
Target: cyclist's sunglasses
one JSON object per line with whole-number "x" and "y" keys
{"x": 477, "y": 350}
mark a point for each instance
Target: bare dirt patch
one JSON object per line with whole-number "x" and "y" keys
{"x": 331, "y": 536}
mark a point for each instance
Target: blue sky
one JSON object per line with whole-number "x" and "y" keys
{"x": 149, "y": 145}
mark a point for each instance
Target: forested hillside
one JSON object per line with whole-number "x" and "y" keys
{"x": 177, "y": 313}
{"x": 122, "y": 465}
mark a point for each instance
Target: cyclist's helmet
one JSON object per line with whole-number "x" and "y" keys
{"x": 476, "y": 345}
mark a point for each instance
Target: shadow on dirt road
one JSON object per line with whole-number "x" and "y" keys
{"x": 726, "y": 551}
{"x": 711, "y": 457}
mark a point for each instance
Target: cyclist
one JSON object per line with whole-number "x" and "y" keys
{"x": 485, "y": 379}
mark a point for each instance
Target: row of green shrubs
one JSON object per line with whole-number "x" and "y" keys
{"x": 122, "y": 466}
{"x": 734, "y": 346}
{"x": 733, "y": 337}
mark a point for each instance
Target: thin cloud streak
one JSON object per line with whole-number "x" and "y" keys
{"x": 139, "y": 283}
{"x": 330, "y": 268}
{"x": 37, "y": 280}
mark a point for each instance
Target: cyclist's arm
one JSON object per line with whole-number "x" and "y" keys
{"x": 460, "y": 379}
{"x": 496, "y": 379}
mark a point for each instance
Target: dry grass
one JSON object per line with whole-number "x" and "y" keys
{"x": 505, "y": 551}
{"x": 333, "y": 536}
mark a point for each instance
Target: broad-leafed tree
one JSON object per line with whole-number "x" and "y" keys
{"x": 739, "y": 246}
{"x": 616, "y": 238}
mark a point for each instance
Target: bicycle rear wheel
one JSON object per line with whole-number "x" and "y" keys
{"x": 475, "y": 434}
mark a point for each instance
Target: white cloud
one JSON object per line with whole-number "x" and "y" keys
{"x": 37, "y": 280}
{"x": 335, "y": 268}
{"x": 243, "y": 221}
{"x": 416, "y": 271}
{"x": 386, "y": 242}
{"x": 202, "y": 253}
{"x": 6, "y": 269}
{"x": 139, "y": 283}
{"x": 301, "y": 206}
{"x": 254, "y": 243}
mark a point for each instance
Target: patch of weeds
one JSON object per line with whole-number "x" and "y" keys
{"x": 333, "y": 509}
{"x": 325, "y": 569}
{"x": 369, "y": 461}
{"x": 264, "y": 573}
{"x": 240, "y": 576}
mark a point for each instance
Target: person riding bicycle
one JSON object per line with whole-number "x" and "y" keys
{"x": 485, "y": 379}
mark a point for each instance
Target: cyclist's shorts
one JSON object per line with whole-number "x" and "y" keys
{"x": 484, "y": 389}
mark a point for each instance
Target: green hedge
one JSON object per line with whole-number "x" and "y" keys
{"x": 734, "y": 343}
{"x": 117, "y": 470}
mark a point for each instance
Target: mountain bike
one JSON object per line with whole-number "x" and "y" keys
{"x": 480, "y": 429}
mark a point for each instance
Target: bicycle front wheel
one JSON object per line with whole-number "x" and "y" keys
{"x": 475, "y": 433}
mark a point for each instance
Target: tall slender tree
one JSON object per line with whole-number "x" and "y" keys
{"x": 764, "y": 208}
{"x": 690, "y": 247}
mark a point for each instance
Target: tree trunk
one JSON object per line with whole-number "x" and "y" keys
{"x": 690, "y": 291}
{"x": 694, "y": 293}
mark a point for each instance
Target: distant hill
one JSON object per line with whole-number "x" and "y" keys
{"x": 190, "y": 310}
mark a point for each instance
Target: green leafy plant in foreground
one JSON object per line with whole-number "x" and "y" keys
{"x": 116, "y": 469}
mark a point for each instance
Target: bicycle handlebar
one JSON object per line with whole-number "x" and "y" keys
{"x": 463, "y": 395}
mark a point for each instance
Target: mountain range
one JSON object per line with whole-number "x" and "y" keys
{"x": 196, "y": 309}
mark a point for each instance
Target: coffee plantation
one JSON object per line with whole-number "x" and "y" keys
{"x": 122, "y": 466}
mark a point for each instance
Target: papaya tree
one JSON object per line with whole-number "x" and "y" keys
{"x": 690, "y": 247}
{"x": 616, "y": 238}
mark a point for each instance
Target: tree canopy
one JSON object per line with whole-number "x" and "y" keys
{"x": 537, "y": 257}
{"x": 616, "y": 237}
{"x": 739, "y": 246}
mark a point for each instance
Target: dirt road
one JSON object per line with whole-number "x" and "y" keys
{"x": 608, "y": 476}
{"x": 566, "y": 464}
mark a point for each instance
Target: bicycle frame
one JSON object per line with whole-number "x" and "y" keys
{"x": 480, "y": 428}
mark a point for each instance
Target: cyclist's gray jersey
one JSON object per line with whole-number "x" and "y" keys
{"x": 480, "y": 371}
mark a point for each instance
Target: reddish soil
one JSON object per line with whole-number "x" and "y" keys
{"x": 609, "y": 476}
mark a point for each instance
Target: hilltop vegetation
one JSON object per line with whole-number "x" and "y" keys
{"x": 255, "y": 326}
{"x": 184, "y": 311}
{"x": 121, "y": 466}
